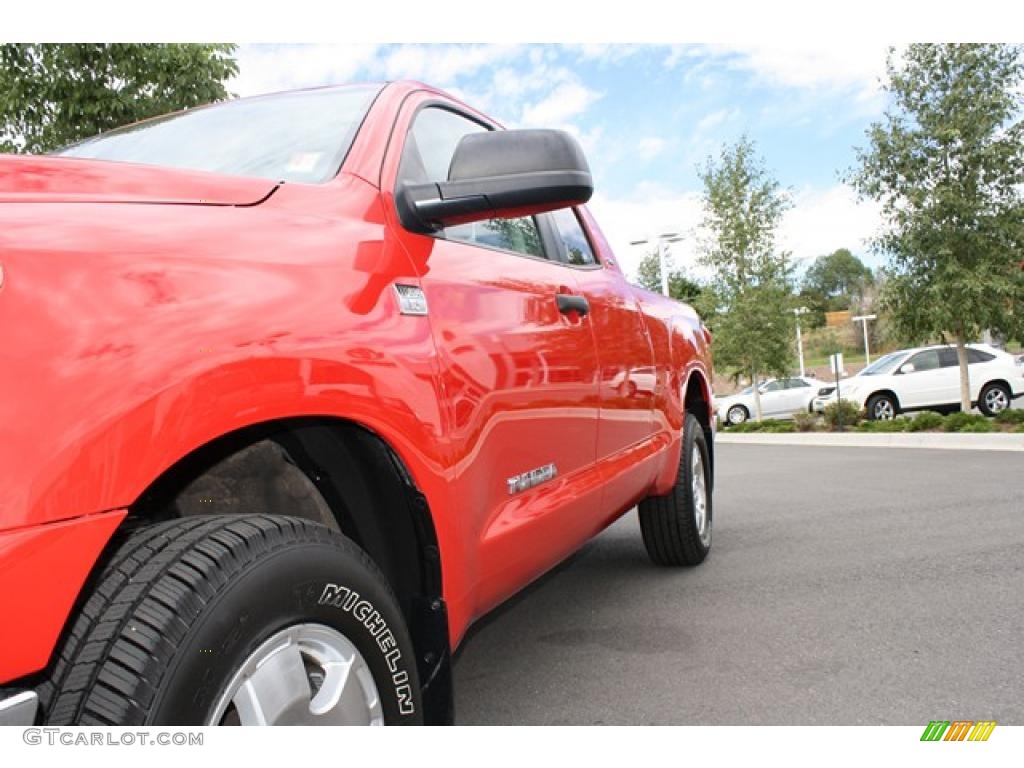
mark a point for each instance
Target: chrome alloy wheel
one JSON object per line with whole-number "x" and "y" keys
{"x": 700, "y": 498}
{"x": 883, "y": 410}
{"x": 737, "y": 414}
{"x": 996, "y": 400}
{"x": 307, "y": 674}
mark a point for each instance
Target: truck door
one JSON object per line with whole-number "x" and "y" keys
{"x": 519, "y": 374}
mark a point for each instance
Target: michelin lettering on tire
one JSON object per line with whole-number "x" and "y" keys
{"x": 350, "y": 601}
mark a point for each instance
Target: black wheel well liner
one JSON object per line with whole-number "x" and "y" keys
{"x": 695, "y": 401}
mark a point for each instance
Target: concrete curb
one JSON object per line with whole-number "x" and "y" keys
{"x": 954, "y": 441}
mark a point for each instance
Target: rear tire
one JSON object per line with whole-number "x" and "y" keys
{"x": 235, "y": 620}
{"x": 676, "y": 528}
{"x": 994, "y": 398}
{"x": 737, "y": 415}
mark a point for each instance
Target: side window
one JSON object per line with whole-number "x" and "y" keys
{"x": 773, "y": 386}
{"x": 947, "y": 357}
{"x": 577, "y": 247}
{"x": 796, "y": 383}
{"x": 925, "y": 361}
{"x": 977, "y": 356}
{"x": 427, "y": 156}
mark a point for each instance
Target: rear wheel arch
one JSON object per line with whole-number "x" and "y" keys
{"x": 334, "y": 472}
{"x": 1000, "y": 384}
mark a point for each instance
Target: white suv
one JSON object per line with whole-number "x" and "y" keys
{"x": 929, "y": 377}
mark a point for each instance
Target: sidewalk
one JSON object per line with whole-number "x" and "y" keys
{"x": 941, "y": 440}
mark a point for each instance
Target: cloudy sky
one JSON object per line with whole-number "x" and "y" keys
{"x": 647, "y": 115}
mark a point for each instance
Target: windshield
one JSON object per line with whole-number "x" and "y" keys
{"x": 884, "y": 364}
{"x": 299, "y": 136}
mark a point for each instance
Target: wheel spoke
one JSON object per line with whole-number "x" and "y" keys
{"x": 277, "y": 692}
{"x": 341, "y": 699}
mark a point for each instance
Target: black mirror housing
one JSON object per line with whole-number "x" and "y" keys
{"x": 500, "y": 175}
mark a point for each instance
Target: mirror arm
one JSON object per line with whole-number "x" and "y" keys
{"x": 423, "y": 207}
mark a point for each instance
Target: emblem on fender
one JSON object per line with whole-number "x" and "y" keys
{"x": 520, "y": 483}
{"x": 411, "y": 300}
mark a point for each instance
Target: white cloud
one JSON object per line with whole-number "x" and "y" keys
{"x": 823, "y": 220}
{"x": 651, "y": 211}
{"x": 830, "y": 65}
{"x": 442, "y": 64}
{"x": 565, "y": 101}
{"x": 713, "y": 120}
{"x": 820, "y": 221}
{"x": 268, "y": 68}
{"x": 606, "y": 52}
{"x": 650, "y": 147}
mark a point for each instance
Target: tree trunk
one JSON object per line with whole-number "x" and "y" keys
{"x": 965, "y": 376}
{"x": 757, "y": 395}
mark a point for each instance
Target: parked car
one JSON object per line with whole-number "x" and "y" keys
{"x": 297, "y": 387}
{"x": 929, "y": 378}
{"x": 780, "y": 399}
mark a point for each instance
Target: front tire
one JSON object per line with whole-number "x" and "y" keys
{"x": 994, "y": 398}
{"x": 882, "y": 408}
{"x": 243, "y": 620}
{"x": 676, "y": 528}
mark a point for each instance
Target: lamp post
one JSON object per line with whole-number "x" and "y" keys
{"x": 667, "y": 237}
{"x": 799, "y": 340}
{"x": 864, "y": 322}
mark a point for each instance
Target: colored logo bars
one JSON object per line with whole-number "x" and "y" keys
{"x": 958, "y": 730}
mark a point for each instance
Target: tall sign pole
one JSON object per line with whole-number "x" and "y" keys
{"x": 863, "y": 319}
{"x": 836, "y": 361}
{"x": 799, "y": 340}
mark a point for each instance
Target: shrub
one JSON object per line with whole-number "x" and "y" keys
{"x": 768, "y": 425}
{"x": 978, "y": 426}
{"x": 1010, "y": 417}
{"x": 805, "y": 422}
{"x": 746, "y": 426}
{"x": 778, "y": 426}
{"x": 893, "y": 425}
{"x": 844, "y": 409}
{"x": 926, "y": 420}
{"x": 966, "y": 422}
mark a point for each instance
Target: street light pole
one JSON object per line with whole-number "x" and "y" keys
{"x": 660, "y": 251}
{"x": 864, "y": 322}
{"x": 662, "y": 268}
{"x": 799, "y": 339}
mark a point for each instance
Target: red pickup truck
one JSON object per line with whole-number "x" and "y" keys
{"x": 294, "y": 388}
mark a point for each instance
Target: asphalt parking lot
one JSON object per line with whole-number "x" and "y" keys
{"x": 846, "y": 586}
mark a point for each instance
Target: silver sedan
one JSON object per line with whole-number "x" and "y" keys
{"x": 780, "y": 399}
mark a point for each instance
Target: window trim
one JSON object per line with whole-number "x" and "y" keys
{"x": 563, "y": 253}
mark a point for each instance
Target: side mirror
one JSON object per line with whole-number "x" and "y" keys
{"x": 500, "y": 175}
{"x": 907, "y": 368}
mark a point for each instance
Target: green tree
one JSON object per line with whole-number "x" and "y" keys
{"x": 946, "y": 163}
{"x": 750, "y": 292}
{"x": 680, "y": 287}
{"x": 55, "y": 94}
{"x": 839, "y": 278}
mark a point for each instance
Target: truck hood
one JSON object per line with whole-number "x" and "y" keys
{"x": 38, "y": 179}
